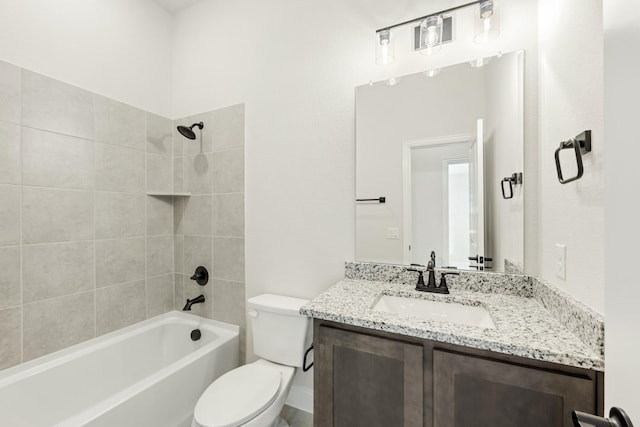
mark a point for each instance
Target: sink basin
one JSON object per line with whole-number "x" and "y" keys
{"x": 435, "y": 310}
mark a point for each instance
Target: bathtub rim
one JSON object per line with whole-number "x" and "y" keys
{"x": 51, "y": 360}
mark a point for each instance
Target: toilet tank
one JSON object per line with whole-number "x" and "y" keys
{"x": 279, "y": 330}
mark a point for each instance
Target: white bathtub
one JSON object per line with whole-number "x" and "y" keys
{"x": 150, "y": 374}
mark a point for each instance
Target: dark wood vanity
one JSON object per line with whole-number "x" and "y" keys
{"x": 369, "y": 378}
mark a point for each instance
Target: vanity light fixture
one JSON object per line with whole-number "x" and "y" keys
{"x": 487, "y": 28}
{"x": 431, "y": 35}
{"x": 385, "y": 50}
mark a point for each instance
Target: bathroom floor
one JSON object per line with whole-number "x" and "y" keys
{"x": 296, "y": 417}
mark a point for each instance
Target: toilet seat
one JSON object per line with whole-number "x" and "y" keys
{"x": 238, "y": 396}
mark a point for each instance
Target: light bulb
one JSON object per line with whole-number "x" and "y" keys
{"x": 431, "y": 29}
{"x": 384, "y": 47}
{"x": 487, "y": 23}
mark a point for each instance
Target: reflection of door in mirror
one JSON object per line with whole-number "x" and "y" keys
{"x": 436, "y": 200}
{"x": 476, "y": 195}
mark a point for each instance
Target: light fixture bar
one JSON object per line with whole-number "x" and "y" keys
{"x": 422, "y": 18}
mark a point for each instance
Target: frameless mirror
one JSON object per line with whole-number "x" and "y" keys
{"x": 439, "y": 162}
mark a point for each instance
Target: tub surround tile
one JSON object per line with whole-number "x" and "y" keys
{"x": 119, "y": 306}
{"x": 119, "y": 169}
{"x": 10, "y": 92}
{"x": 55, "y": 160}
{"x": 197, "y": 251}
{"x": 10, "y": 149}
{"x": 178, "y": 253}
{"x": 160, "y": 294}
{"x": 10, "y": 337}
{"x": 523, "y": 326}
{"x": 178, "y": 215}
{"x": 228, "y": 302}
{"x": 159, "y": 177}
{"x": 119, "y": 215}
{"x": 228, "y": 171}
{"x": 178, "y": 175}
{"x": 159, "y": 255}
{"x": 119, "y": 124}
{"x": 178, "y": 288}
{"x": 56, "y": 106}
{"x": 9, "y": 277}
{"x": 55, "y": 270}
{"x": 196, "y": 219}
{"x": 120, "y": 260}
{"x": 159, "y": 135}
{"x": 57, "y": 323}
{"x": 9, "y": 215}
{"x": 228, "y": 259}
{"x": 197, "y": 174}
{"x": 55, "y": 215}
{"x": 228, "y": 215}
{"x": 159, "y": 216}
{"x": 227, "y": 127}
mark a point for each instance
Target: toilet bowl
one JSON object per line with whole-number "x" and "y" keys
{"x": 253, "y": 395}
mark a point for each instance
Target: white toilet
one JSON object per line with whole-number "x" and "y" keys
{"x": 253, "y": 395}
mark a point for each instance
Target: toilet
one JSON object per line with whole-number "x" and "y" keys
{"x": 253, "y": 395}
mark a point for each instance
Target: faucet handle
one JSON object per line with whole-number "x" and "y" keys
{"x": 443, "y": 278}
{"x": 420, "y": 276}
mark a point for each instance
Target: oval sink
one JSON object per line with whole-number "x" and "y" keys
{"x": 435, "y": 310}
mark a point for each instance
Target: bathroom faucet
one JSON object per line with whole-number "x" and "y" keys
{"x": 197, "y": 300}
{"x": 442, "y": 288}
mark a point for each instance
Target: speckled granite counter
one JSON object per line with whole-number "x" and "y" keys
{"x": 523, "y": 326}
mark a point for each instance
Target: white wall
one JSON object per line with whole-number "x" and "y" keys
{"x": 117, "y": 48}
{"x": 571, "y": 101}
{"x": 622, "y": 293}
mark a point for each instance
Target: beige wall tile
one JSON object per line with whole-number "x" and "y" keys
{"x": 119, "y": 124}
{"x": 197, "y": 216}
{"x": 57, "y": 323}
{"x": 54, "y": 215}
{"x": 55, "y": 160}
{"x": 10, "y": 337}
{"x": 227, "y": 213}
{"x": 197, "y": 251}
{"x": 229, "y": 302}
{"x": 120, "y": 261}
{"x": 227, "y": 127}
{"x": 119, "y": 169}
{"x": 119, "y": 306}
{"x": 56, "y": 106}
{"x": 159, "y": 255}
{"x": 10, "y": 160}
{"x": 9, "y": 215}
{"x": 159, "y": 174}
{"x": 178, "y": 140}
{"x": 178, "y": 253}
{"x": 197, "y": 171}
{"x": 178, "y": 175}
{"x": 228, "y": 171}
{"x": 9, "y": 92}
{"x": 178, "y": 214}
{"x": 178, "y": 288}
{"x": 159, "y": 134}
{"x": 119, "y": 215}
{"x": 9, "y": 277}
{"x": 228, "y": 259}
{"x": 55, "y": 270}
{"x": 160, "y": 295}
{"x": 159, "y": 216}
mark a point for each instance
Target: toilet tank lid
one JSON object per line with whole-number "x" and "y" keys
{"x": 277, "y": 304}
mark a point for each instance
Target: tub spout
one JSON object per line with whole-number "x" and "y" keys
{"x": 197, "y": 300}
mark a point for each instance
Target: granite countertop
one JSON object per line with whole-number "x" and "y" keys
{"x": 523, "y": 326}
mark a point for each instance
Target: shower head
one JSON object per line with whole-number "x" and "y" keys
{"x": 187, "y": 131}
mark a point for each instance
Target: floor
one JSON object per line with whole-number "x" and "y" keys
{"x": 296, "y": 417}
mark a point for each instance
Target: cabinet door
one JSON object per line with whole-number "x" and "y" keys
{"x": 367, "y": 381}
{"x": 471, "y": 391}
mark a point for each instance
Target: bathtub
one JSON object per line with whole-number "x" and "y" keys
{"x": 150, "y": 374}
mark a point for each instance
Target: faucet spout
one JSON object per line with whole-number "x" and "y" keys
{"x": 197, "y": 300}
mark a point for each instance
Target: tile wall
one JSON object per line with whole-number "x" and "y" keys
{"x": 209, "y": 225}
{"x": 83, "y": 249}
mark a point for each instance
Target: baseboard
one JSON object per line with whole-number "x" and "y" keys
{"x": 301, "y": 398}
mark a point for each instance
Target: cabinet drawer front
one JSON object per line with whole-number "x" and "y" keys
{"x": 367, "y": 381}
{"x": 472, "y": 391}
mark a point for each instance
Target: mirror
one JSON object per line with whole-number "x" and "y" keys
{"x": 444, "y": 149}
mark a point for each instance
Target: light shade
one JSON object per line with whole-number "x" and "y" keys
{"x": 385, "y": 49}
{"x": 431, "y": 35}
{"x": 487, "y": 22}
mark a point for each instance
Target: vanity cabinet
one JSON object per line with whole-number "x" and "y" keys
{"x": 376, "y": 379}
